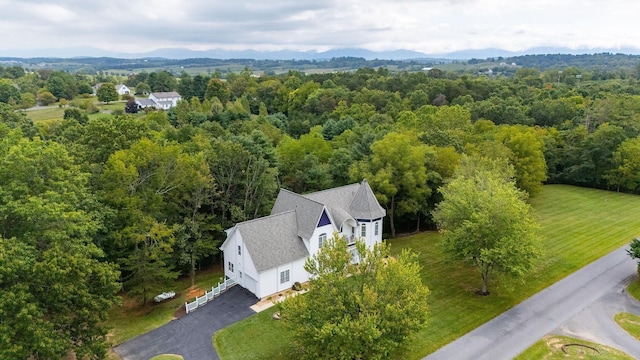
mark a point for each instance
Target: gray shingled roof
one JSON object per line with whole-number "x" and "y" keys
{"x": 168, "y": 94}
{"x": 308, "y": 212}
{"x": 276, "y": 239}
{"x": 357, "y": 200}
{"x": 365, "y": 205}
{"x": 145, "y": 102}
{"x": 272, "y": 240}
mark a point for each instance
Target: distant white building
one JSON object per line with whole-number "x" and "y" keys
{"x": 122, "y": 89}
{"x": 160, "y": 100}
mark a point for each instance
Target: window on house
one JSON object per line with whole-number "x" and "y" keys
{"x": 240, "y": 274}
{"x": 321, "y": 239}
{"x": 284, "y": 276}
{"x": 230, "y": 266}
{"x": 375, "y": 228}
{"x": 363, "y": 230}
{"x": 239, "y": 252}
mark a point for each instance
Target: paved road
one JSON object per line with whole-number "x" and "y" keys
{"x": 596, "y": 324}
{"x": 190, "y": 336}
{"x": 515, "y": 330}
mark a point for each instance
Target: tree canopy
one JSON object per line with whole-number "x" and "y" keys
{"x": 486, "y": 221}
{"x": 55, "y": 287}
{"x": 107, "y": 93}
{"x": 357, "y": 311}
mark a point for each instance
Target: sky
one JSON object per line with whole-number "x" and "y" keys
{"x": 427, "y": 26}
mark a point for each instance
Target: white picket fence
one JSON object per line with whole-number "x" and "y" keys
{"x": 209, "y": 295}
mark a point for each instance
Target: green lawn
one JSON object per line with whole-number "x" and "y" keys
{"x": 629, "y": 322}
{"x": 578, "y": 226}
{"x": 132, "y": 319}
{"x": 634, "y": 289}
{"x": 45, "y": 114}
{"x": 54, "y": 113}
{"x": 550, "y": 348}
{"x": 167, "y": 357}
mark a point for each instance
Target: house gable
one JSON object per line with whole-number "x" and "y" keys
{"x": 324, "y": 219}
{"x": 272, "y": 241}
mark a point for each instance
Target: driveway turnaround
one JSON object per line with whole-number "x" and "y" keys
{"x": 517, "y": 329}
{"x": 596, "y": 323}
{"x": 190, "y": 336}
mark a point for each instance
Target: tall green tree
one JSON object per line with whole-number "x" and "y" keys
{"x": 8, "y": 92}
{"x": 55, "y": 288}
{"x": 304, "y": 162}
{"x": 626, "y": 171}
{"x": 397, "y": 172}
{"x": 361, "y": 311}
{"x": 486, "y": 221}
{"x": 107, "y": 93}
{"x": 148, "y": 270}
{"x": 527, "y": 156}
{"x": 153, "y": 187}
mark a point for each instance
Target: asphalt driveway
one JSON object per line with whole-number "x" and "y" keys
{"x": 596, "y": 324}
{"x": 190, "y": 336}
{"x": 545, "y": 312}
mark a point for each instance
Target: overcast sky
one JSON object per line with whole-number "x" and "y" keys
{"x": 428, "y": 26}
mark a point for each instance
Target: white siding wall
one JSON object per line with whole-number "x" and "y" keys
{"x": 241, "y": 263}
{"x": 313, "y": 242}
{"x": 230, "y": 255}
{"x": 377, "y": 238}
{"x": 267, "y": 283}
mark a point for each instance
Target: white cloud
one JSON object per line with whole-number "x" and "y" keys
{"x": 430, "y": 26}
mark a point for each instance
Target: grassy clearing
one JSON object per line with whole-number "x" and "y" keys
{"x": 629, "y": 322}
{"x": 634, "y": 289}
{"x": 45, "y": 114}
{"x": 167, "y": 357}
{"x": 550, "y": 348}
{"x": 132, "y": 319}
{"x": 55, "y": 113}
{"x": 578, "y": 226}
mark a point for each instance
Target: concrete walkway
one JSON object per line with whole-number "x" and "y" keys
{"x": 514, "y": 331}
{"x": 191, "y": 335}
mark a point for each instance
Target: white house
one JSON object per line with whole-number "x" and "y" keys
{"x": 165, "y": 100}
{"x": 122, "y": 89}
{"x": 267, "y": 255}
{"x": 159, "y": 100}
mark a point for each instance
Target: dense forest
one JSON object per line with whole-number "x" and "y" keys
{"x": 89, "y": 206}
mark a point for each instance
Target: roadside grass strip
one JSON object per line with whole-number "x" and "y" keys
{"x": 562, "y": 347}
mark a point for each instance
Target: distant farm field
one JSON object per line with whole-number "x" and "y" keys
{"x": 578, "y": 226}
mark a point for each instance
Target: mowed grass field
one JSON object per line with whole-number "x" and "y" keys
{"x": 578, "y": 226}
{"x": 55, "y": 113}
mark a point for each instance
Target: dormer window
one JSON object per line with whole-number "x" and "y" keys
{"x": 321, "y": 239}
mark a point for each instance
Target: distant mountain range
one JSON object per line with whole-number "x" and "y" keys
{"x": 180, "y": 53}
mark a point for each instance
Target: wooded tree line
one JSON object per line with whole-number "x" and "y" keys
{"x": 132, "y": 201}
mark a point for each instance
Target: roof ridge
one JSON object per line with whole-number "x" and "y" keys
{"x": 330, "y": 189}
{"x": 303, "y": 196}
{"x": 265, "y": 217}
